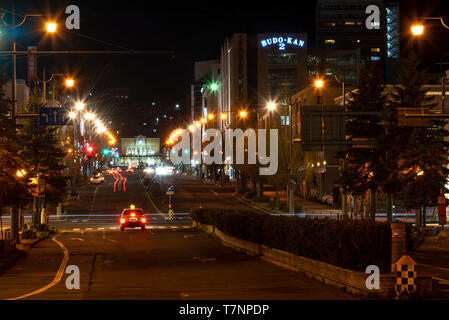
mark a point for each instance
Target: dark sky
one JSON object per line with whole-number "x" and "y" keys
{"x": 194, "y": 30}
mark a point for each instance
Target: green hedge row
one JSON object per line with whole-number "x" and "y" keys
{"x": 351, "y": 244}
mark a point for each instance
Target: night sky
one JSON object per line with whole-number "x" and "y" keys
{"x": 194, "y": 30}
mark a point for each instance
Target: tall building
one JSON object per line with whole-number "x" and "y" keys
{"x": 206, "y": 73}
{"x": 342, "y": 25}
{"x": 258, "y": 68}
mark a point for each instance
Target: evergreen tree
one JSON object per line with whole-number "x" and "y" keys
{"x": 14, "y": 189}
{"x": 418, "y": 154}
{"x": 363, "y": 169}
{"x": 43, "y": 152}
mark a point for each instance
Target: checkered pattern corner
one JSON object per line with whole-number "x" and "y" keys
{"x": 406, "y": 279}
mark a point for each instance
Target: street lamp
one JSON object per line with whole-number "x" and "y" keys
{"x": 13, "y": 26}
{"x": 319, "y": 83}
{"x": 79, "y": 106}
{"x": 51, "y": 27}
{"x": 271, "y": 106}
{"x": 417, "y": 30}
{"x": 69, "y": 83}
{"x": 89, "y": 116}
{"x": 242, "y": 114}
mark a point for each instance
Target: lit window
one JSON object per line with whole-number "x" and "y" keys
{"x": 349, "y": 23}
{"x": 375, "y": 58}
{"x": 329, "y": 41}
{"x": 375, "y": 49}
{"x": 331, "y": 24}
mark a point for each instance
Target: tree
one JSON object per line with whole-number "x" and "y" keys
{"x": 418, "y": 154}
{"x": 14, "y": 189}
{"x": 42, "y": 152}
{"x": 363, "y": 169}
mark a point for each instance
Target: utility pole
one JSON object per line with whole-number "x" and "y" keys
{"x": 291, "y": 195}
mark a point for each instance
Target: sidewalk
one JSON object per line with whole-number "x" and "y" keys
{"x": 8, "y": 260}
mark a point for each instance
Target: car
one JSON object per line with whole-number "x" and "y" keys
{"x": 97, "y": 179}
{"x": 132, "y": 218}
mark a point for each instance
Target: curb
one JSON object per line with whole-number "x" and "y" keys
{"x": 27, "y": 246}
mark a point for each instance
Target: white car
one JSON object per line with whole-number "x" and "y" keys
{"x": 97, "y": 179}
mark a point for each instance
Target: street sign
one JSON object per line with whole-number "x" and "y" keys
{"x": 170, "y": 190}
{"x": 53, "y": 116}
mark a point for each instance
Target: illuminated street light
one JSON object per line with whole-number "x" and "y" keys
{"x": 72, "y": 115}
{"x": 223, "y": 116}
{"x": 51, "y": 27}
{"x": 20, "y": 173}
{"x": 203, "y": 120}
{"x": 210, "y": 116}
{"x": 417, "y": 30}
{"x": 191, "y": 128}
{"x": 242, "y": 114}
{"x": 197, "y": 124}
{"x": 89, "y": 116}
{"x": 271, "y": 106}
{"x": 69, "y": 83}
{"x": 79, "y": 106}
{"x": 319, "y": 83}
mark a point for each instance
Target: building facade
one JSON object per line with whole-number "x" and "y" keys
{"x": 139, "y": 151}
{"x": 342, "y": 25}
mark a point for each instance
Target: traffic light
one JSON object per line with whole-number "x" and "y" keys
{"x": 105, "y": 151}
{"x": 89, "y": 150}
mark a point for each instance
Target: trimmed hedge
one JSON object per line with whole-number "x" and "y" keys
{"x": 350, "y": 244}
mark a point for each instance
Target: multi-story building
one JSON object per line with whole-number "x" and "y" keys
{"x": 257, "y": 69}
{"x": 341, "y": 25}
{"x": 139, "y": 151}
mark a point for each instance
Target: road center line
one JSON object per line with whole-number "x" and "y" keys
{"x": 94, "y": 198}
{"x": 107, "y": 239}
{"x": 57, "y": 277}
{"x": 214, "y": 192}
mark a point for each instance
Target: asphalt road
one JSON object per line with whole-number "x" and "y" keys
{"x": 170, "y": 260}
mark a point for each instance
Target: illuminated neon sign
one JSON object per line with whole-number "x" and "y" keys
{"x": 282, "y": 42}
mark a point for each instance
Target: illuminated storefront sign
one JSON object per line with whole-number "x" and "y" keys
{"x": 282, "y": 42}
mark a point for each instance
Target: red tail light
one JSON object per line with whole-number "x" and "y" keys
{"x": 122, "y": 220}
{"x": 144, "y": 220}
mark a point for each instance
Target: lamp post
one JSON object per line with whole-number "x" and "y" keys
{"x": 51, "y": 27}
{"x": 69, "y": 83}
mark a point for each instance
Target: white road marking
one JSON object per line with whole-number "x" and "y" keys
{"x": 107, "y": 239}
{"x": 100, "y": 228}
{"x": 76, "y": 229}
{"x": 57, "y": 277}
{"x": 77, "y": 239}
{"x": 214, "y": 192}
{"x": 94, "y": 198}
{"x": 88, "y": 229}
{"x": 149, "y": 198}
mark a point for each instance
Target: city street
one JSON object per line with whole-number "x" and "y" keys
{"x": 170, "y": 260}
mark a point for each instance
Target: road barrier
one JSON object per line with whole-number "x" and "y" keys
{"x": 352, "y": 281}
